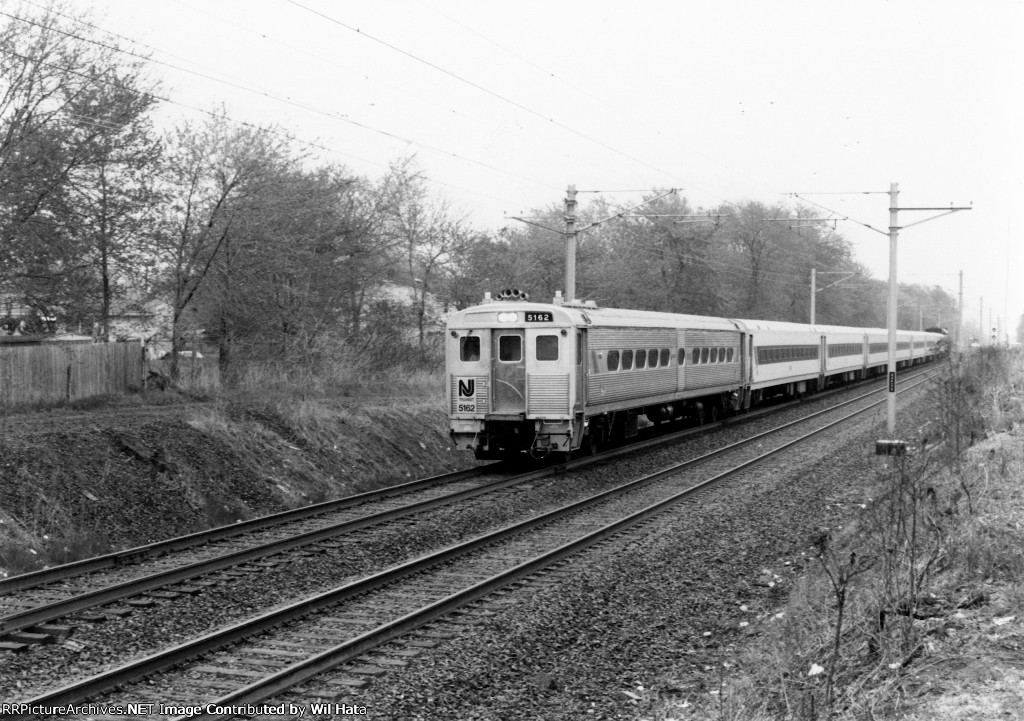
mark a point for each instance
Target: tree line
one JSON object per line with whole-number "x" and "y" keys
{"x": 273, "y": 255}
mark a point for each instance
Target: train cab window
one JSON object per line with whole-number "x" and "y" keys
{"x": 510, "y": 348}
{"x": 705, "y": 353}
{"x": 641, "y": 358}
{"x": 714, "y": 355}
{"x": 666, "y": 357}
{"x": 627, "y": 360}
{"x": 696, "y": 356}
{"x": 547, "y": 347}
{"x": 469, "y": 348}
{"x": 729, "y": 357}
{"x": 613, "y": 360}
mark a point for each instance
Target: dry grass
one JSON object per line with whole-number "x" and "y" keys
{"x": 299, "y": 436}
{"x": 962, "y": 658}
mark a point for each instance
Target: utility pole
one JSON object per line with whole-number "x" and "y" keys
{"x": 814, "y": 294}
{"x": 571, "y": 232}
{"x": 815, "y": 289}
{"x": 892, "y": 446}
{"x": 570, "y": 244}
{"x": 894, "y": 231}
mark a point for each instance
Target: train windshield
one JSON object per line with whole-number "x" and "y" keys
{"x": 469, "y": 349}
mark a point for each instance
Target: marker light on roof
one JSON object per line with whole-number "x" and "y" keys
{"x": 507, "y": 317}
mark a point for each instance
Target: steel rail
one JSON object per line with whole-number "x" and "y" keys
{"x": 159, "y": 548}
{"x": 282, "y": 680}
{"x": 176, "y": 655}
{"x": 59, "y": 609}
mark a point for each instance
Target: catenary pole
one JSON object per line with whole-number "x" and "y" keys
{"x": 893, "y": 235}
{"x": 814, "y": 294}
{"x": 570, "y": 244}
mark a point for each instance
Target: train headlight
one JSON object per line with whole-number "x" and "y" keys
{"x": 508, "y": 317}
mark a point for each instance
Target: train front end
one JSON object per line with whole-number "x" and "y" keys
{"x": 512, "y": 387}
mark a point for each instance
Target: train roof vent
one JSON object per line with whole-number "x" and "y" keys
{"x": 513, "y": 294}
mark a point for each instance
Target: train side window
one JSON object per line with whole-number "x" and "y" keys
{"x": 704, "y": 354}
{"x": 613, "y": 360}
{"x": 510, "y": 348}
{"x": 652, "y": 358}
{"x": 714, "y": 355}
{"x": 547, "y": 347}
{"x": 666, "y": 357}
{"x": 695, "y": 359}
{"x": 579, "y": 349}
{"x": 627, "y": 360}
{"x": 469, "y": 348}
{"x": 729, "y": 355}
{"x": 641, "y": 358}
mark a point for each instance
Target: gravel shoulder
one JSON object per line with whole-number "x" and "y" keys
{"x": 656, "y": 615}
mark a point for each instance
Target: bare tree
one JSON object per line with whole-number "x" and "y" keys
{"x": 214, "y": 173}
{"x": 433, "y": 239}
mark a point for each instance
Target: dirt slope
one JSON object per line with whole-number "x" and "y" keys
{"x": 77, "y": 483}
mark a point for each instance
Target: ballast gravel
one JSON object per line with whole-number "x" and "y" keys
{"x": 657, "y": 611}
{"x": 575, "y": 648}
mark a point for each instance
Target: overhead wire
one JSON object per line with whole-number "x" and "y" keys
{"x": 303, "y": 106}
{"x": 362, "y": 74}
{"x": 595, "y": 98}
{"x": 408, "y": 140}
{"x": 477, "y": 86}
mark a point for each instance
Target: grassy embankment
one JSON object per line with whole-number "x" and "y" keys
{"x": 164, "y": 463}
{"x": 915, "y": 610}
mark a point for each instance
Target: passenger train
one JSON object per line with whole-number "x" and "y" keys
{"x": 543, "y": 379}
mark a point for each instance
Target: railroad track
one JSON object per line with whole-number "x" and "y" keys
{"x": 261, "y": 658}
{"x": 33, "y": 606}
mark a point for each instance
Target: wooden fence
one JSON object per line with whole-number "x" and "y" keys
{"x": 55, "y": 372}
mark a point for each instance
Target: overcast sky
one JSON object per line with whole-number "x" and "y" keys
{"x": 505, "y": 104}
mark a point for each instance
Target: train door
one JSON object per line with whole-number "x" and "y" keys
{"x": 823, "y": 363}
{"x": 743, "y": 359}
{"x": 582, "y": 370}
{"x": 508, "y": 370}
